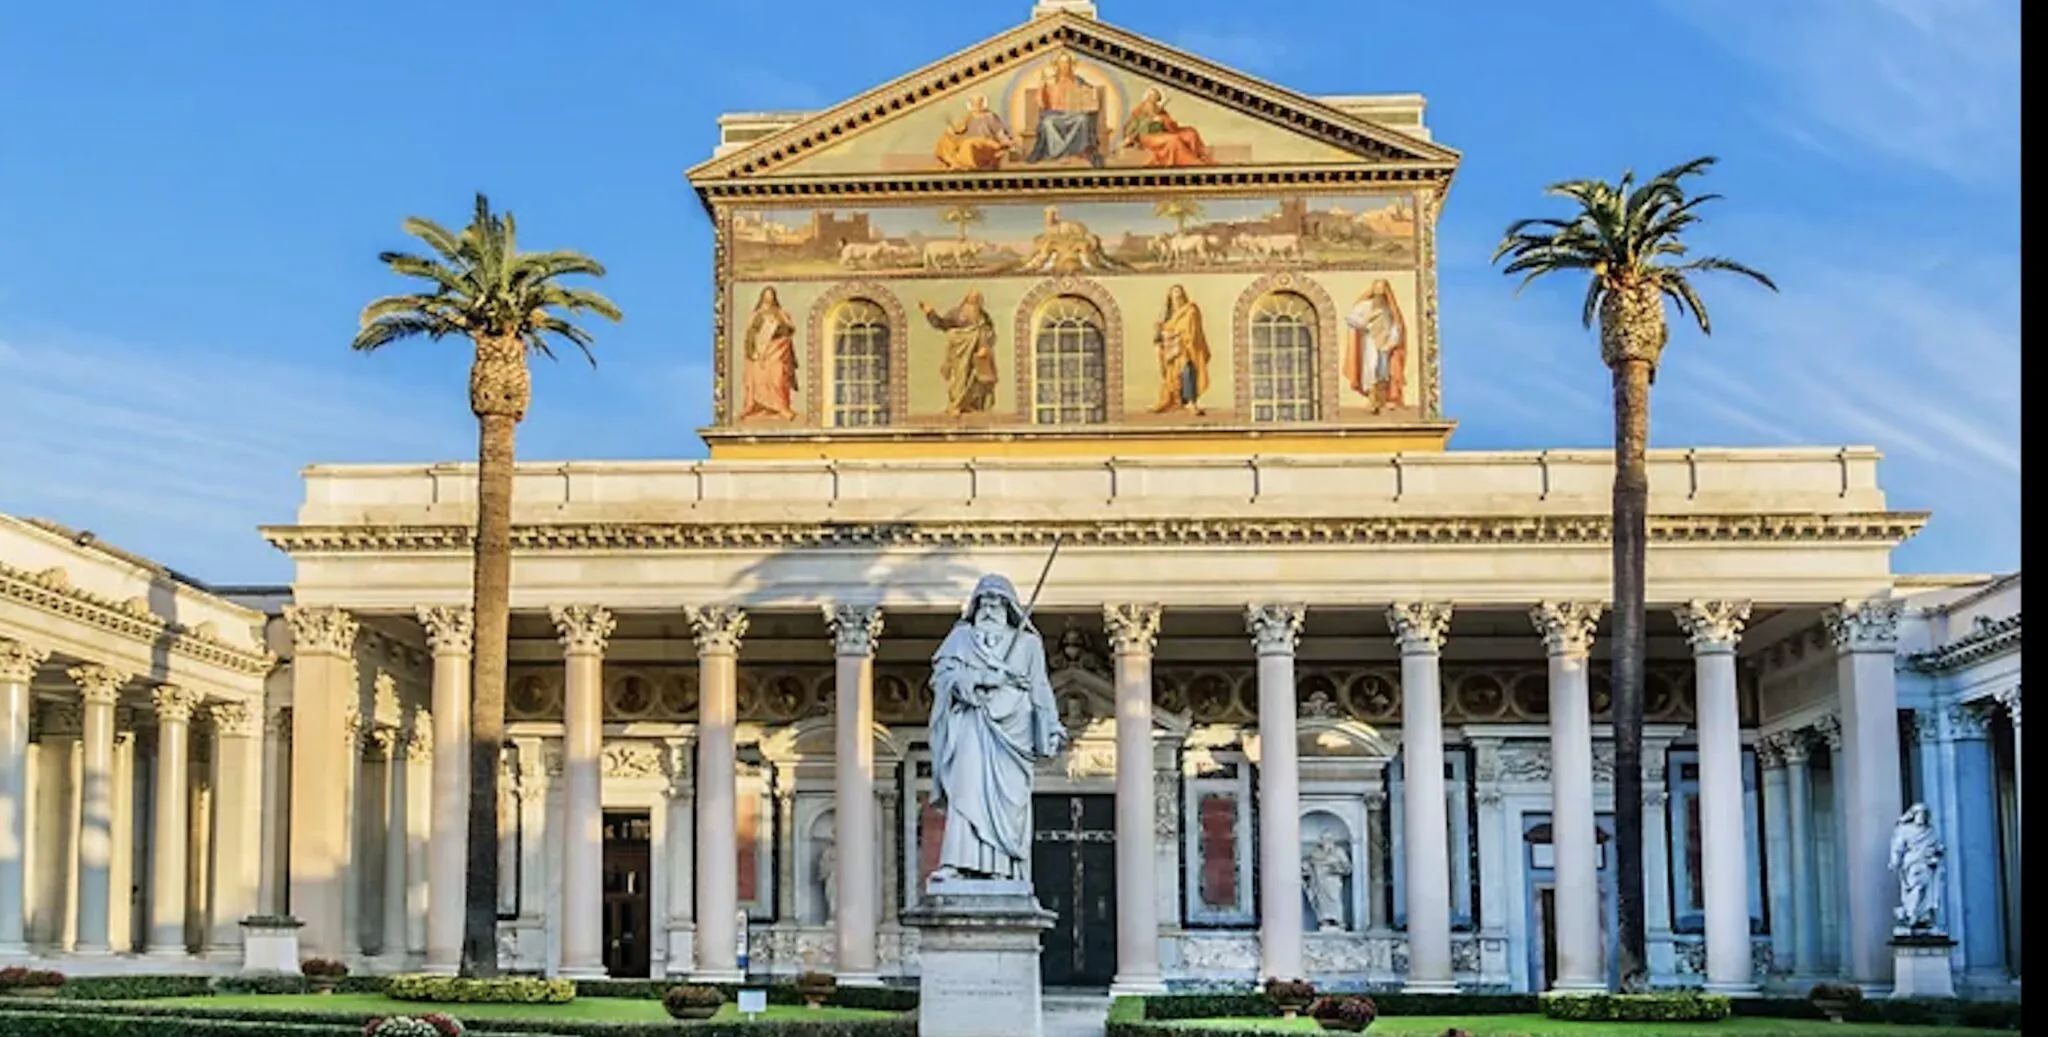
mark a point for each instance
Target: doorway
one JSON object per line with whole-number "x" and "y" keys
{"x": 1073, "y": 871}
{"x": 628, "y": 842}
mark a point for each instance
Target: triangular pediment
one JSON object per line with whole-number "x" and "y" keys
{"x": 1067, "y": 94}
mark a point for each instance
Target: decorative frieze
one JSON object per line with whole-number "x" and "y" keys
{"x": 1275, "y": 628}
{"x": 584, "y": 629}
{"x": 321, "y": 630}
{"x": 1419, "y": 626}
{"x": 19, "y": 661}
{"x": 1988, "y": 638}
{"x": 60, "y": 719}
{"x": 1871, "y": 625}
{"x": 1712, "y": 626}
{"x": 633, "y": 760}
{"x": 719, "y": 628}
{"x": 51, "y": 591}
{"x": 97, "y": 683}
{"x": 1133, "y": 628}
{"x": 451, "y": 629}
{"x": 1566, "y": 626}
{"x": 855, "y": 628}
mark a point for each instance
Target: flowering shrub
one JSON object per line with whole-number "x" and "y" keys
{"x": 691, "y": 1001}
{"x": 15, "y": 977}
{"x": 323, "y": 968}
{"x": 433, "y": 1024}
{"x": 521, "y": 990}
{"x": 1848, "y": 992}
{"x": 1344, "y": 1008}
{"x": 1290, "y": 991}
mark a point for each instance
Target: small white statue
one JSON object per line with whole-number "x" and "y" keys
{"x": 827, "y": 866}
{"x": 1323, "y": 871}
{"x": 1916, "y": 860}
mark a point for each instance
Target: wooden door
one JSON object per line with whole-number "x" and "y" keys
{"x": 1073, "y": 873}
{"x": 628, "y": 915}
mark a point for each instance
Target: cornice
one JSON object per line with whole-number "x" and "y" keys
{"x": 1868, "y": 527}
{"x": 1990, "y": 639}
{"x": 52, "y": 592}
{"x": 724, "y": 175}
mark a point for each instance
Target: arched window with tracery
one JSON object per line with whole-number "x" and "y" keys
{"x": 1283, "y": 358}
{"x": 1068, "y": 352}
{"x": 860, "y": 364}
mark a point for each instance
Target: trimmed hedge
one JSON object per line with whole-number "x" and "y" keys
{"x": 135, "y": 988}
{"x": 878, "y": 999}
{"x": 456, "y": 990}
{"x": 1253, "y": 1004}
{"x": 1990, "y": 1015}
{"x": 86, "y": 1019}
{"x": 1678, "y": 1006}
{"x": 67, "y": 1024}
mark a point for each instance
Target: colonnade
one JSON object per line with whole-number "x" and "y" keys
{"x": 81, "y": 849}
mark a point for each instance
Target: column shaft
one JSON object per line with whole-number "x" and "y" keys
{"x": 1973, "y": 838}
{"x": 1867, "y": 784}
{"x": 584, "y": 629}
{"x": 238, "y": 822}
{"x": 1713, "y": 627}
{"x": 323, "y": 688}
{"x": 395, "y": 845}
{"x": 1777, "y": 887}
{"x": 450, "y": 630}
{"x": 1425, "y": 839}
{"x": 1567, "y": 630}
{"x": 171, "y": 831}
{"x": 1275, "y": 631}
{"x": 856, "y": 881}
{"x": 101, "y": 687}
{"x": 1799, "y": 838}
{"x": 1133, "y": 632}
{"x": 419, "y": 815}
{"x": 719, "y": 630}
{"x": 677, "y": 854}
{"x": 18, "y": 665}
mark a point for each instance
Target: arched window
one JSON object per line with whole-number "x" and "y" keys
{"x": 1068, "y": 349}
{"x": 860, "y": 365}
{"x": 1283, "y": 358}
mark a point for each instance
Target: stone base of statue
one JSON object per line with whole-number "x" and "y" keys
{"x": 1920, "y": 965}
{"x": 977, "y": 955}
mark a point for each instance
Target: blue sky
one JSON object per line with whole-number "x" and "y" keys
{"x": 192, "y": 196}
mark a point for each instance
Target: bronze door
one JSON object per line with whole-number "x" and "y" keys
{"x": 628, "y": 915}
{"x": 1073, "y": 871}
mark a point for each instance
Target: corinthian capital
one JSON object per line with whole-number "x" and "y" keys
{"x": 1133, "y": 628}
{"x": 1566, "y": 626}
{"x": 1871, "y": 625}
{"x": 854, "y": 628}
{"x": 321, "y": 629}
{"x": 1275, "y": 629}
{"x": 584, "y": 628}
{"x": 1829, "y": 730}
{"x": 1712, "y": 626}
{"x": 175, "y": 704}
{"x": 19, "y": 661}
{"x": 451, "y": 629}
{"x": 2010, "y": 699}
{"x": 96, "y": 683}
{"x": 1419, "y": 626}
{"x": 719, "y": 628}
{"x": 232, "y": 719}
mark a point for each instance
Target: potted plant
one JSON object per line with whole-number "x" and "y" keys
{"x": 1346, "y": 1012}
{"x": 692, "y": 1001}
{"x": 323, "y": 974}
{"x": 16, "y": 981}
{"x": 1290, "y": 995}
{"x": 816, "y": 986}
{"x": 1835, "y": 1000}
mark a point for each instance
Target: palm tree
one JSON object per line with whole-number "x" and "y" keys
{"x": 1181, "y": 211}
{"x": 1628, "y": 240}
{"x": 961, "y": 216}
{"x": 482, "y": 288}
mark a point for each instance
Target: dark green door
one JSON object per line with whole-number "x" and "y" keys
{"x": 1073, "y": 872}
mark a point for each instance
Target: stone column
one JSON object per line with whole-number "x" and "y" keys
{"x": 1805, "y": 913}
{"x": 584, "y": 630}
{"x": 418, "y": 749}
{"x": 1972, "y": 838}
{"x": 719, "y": 629}
{"x": 1867, "y": 636}
{"x": 323, "y": 692}
{"x": 1663, "y": 955}
{"x": 1770, "y": 753}
{"x": 238, "y": 822}
{"x": 18, "y": 665}
{"x": 1133, "y": 633}
{"x": 1419, "y": 628}
{"x": 391, "y": 754}
{"x": 450, "y": 630}
{"x": 171, "y": 827}
{"x": 677, "y": 853}
{"x": 2009, "y": 698}
{"x": 1713, "y": 627}
{"x": 99, "y": 687}
{"x": 1567, "y": 631}
{"x": 1275, "y": 630}
{"x": 857, "y": 880}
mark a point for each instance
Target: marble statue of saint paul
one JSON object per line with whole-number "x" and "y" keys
{"x": 993, "y": 719}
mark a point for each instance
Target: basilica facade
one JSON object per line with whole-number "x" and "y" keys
{"x": 1158, "y": 341}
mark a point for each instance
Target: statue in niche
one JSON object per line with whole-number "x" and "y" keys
{"x": 1916, "y": 860}
{"x": 1323, "y": 870}
{"x": 993, "y": 717}
{"x": 827, "y": 868}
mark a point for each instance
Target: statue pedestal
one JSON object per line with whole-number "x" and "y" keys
{"x": 978, "y": 958}
{"x": 1920, "y": 965}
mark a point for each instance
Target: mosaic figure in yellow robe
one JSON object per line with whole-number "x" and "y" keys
{"x": 1183, "y": 354}
{"x": 970, "y": 364}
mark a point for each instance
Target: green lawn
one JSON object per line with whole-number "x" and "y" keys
{"x": 1538, "y": 1026}
{"x": 604, "y": 1009}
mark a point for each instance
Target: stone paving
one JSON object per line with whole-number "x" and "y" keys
{"x": 1075, "y": 1013}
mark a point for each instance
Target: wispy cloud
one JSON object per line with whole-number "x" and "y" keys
{"x": 180, "y": 454}
{"x": 1239, "y": 47}
{"x": 1930, "y": 83}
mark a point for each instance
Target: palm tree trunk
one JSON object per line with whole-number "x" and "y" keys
{"x": 1631, "y": 536}
{"x": 499, "y": 391}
